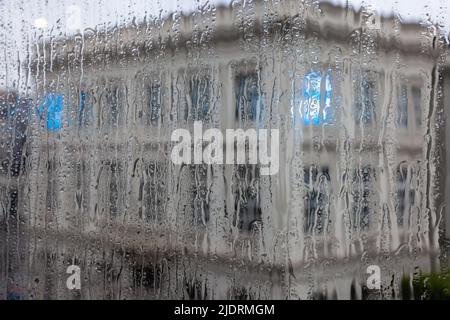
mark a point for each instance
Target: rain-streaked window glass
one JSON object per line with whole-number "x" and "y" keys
{"x": 402, "y": 107}
{"x": 52, "y": 111}
{"x": 200, "y": 97}
{"x": 317, "y": 197}
{"x": 147, "y": 277}
{"x": 200, "y": 189}
{"x": 416, "y": 96}
{"x": 84, "y": 113}
{"x": 152, "y": 193}
{"x": 365, "y": 97}
{"x": 4, "y": 106}
{"x": 112, "y": 108}
{"x": 248, "y": 99}
{"x": 247, "y": 204}
{"x": 315, "y": 105}
{"x": 362, "y": 191}
{"x": 405, "y": 192}
{"x": 154, "y": 103}
{"x": 224, "y": 149}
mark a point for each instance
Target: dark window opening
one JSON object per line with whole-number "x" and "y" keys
{"x": 317, "y": 185}
{"x": 247, "y": 197}
{"x": 200, "y": 95}
{"x": 248, "y": 99}
{"x": 365, "y": 98}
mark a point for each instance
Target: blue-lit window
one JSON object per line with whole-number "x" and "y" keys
{"x": 53, "y": 106}
{"x": 308, "y": 105}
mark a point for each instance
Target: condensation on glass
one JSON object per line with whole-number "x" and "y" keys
{"x": 91, "y": 93}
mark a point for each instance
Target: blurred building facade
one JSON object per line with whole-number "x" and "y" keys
{"x": 14, "y": 115}
{"x": 355, "y": 97}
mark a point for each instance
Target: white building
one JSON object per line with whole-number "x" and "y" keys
{"x": 355, "y": 97}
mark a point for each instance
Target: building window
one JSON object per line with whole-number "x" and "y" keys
{"x": 312, "y": 100}
{"x": 200, "y": 189}
{"x": 409, "y": 109}
{"x": 406, "y": 194}
{"x": 195, "y": 289}
{"x": 7, "y": 103}
{"x": 365, "y": 95}
{"x": 114, "y": 104}
{"x": 247, "y": 200}
{"x": 402, "y": 107}
{"x": 248, "y": 99}
{"x": 3, "y": 111}
{"x": 82, "y": 179}
{"x": 200, "y": 95}
{"x": 111, "y": 179}
{"x": 147, "y": 276}
{"x": 51, "y": 187}
{"x": 416, "y": 96}
{"x": 317, "y": 185}
{"x": 311, "y": 112}
{"x": 155, "y": 192}
{"x": 53, "y": 108}
{"x": 241, "y": 293}
{"x": 84, "y": 110}
{"x": 154, "y": 104}
{"x": 362, "y": 185}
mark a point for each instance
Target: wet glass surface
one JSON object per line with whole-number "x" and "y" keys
{"x": 346, "y": 200}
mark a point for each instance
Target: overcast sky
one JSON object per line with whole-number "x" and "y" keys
{"x": 89, "y": 13}
{"x": 19, "y": 18}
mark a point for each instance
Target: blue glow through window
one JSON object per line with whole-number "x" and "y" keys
{"x": 309, "y": 106}
{"x": 53, "y": 106}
